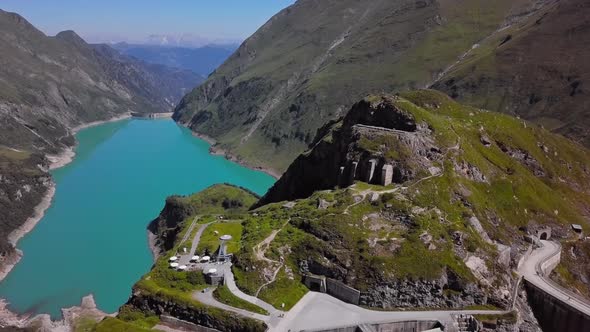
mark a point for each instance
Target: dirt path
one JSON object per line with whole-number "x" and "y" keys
{"x": 260, "y": 251}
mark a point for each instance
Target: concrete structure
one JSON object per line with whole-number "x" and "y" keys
{"x": 214, "y": 279}
{"x": 352, "y": 174}
{"x": 556, "y": 308}
{"x": 544, "y": 234}
{"x": 342, "y": 292}
{"x": 406, "y": 326}
{"x": 223, "y": 255}
{"x": 152, "y": 115}
{"x": 554, "y": 314}
{"x": 578, "y": 230}
{"x": 332, "y": 287}
{"x": 317, "y": 312}
{"x": 386, "y": 175}
{"x": 371, "y": 170}
{"x": 315, "y": 283}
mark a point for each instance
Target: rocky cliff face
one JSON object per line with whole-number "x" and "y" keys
{"x": 374, "y": 133}
{"x": 312, "y": 61}
{"x": 534, "y": 69}
{"x": 168, "y": 224}
{"x": 48, "y": 85}
{"x": 23, "y": 183}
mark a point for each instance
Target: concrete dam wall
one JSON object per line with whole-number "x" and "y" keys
{"x": 405, "y": 326}
{"x": 553, "y": 314}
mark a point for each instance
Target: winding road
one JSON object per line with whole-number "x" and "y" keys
{"x": 535, "y": 273}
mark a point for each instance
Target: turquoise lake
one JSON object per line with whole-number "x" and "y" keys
{"x": 93, "y": 238}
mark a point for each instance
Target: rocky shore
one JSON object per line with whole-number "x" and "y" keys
{"x": 216, "y": 150}
{"x": 70, "y": 317}
{"x": 28, "y": 226}
{"x": 67, "y": 156}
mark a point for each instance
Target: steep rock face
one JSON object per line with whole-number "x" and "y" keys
{"x": 49, "y": 85}
{"x": 23, "y": 183}
{"x": 375, "y": 129}
{"x": 179, "y": 211}
{"x": 312, "y": 61}
{"x": 424, "y": 294}
{"x": 536, "y": 69}
{"x": 168, "y": 224}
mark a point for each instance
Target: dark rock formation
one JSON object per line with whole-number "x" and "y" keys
{"x": 374, "y": 132}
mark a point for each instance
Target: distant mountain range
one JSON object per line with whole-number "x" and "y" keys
{"x": 202, "y": 60}
{"x": 48, "y": 85}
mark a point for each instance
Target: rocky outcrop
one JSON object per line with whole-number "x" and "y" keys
{"x": 446, "y": 292}
{"x": 374, "y": 134}
{"x": 167, "y": 225}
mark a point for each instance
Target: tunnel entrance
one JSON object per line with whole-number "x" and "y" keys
{"x": 543, "y": 236}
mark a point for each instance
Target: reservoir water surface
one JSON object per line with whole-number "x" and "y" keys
{"x": 92, "y": 239}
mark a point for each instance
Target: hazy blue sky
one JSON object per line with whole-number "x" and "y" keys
{"x": 135, "y": 20}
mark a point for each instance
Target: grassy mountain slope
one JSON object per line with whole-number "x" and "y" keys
{"x": 536, "y": 69}
{"x": 471, "y": 188}
{"x": 314, "y": 59}
{"x": 49, "y": 85}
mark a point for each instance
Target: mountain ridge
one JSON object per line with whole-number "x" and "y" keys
{"x": 310, "y": 62}
{"x": 50, "y": 85}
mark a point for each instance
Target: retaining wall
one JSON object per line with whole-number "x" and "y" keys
{"x": 183, "y": 325}
{"x": 553, "y": 314}
{"x": 406, "y": 326}
{"x": 342, "y": 291}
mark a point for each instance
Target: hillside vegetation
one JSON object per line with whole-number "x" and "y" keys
{"x": 313, "y": 60}
{"x": 470, "y": 190}
{"x": 536, "y": 69}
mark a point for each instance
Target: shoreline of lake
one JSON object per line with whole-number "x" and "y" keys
{"x": 59, "y": 161}
{"x": 55, "y": 162}
{"x": 217, "y": 151}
